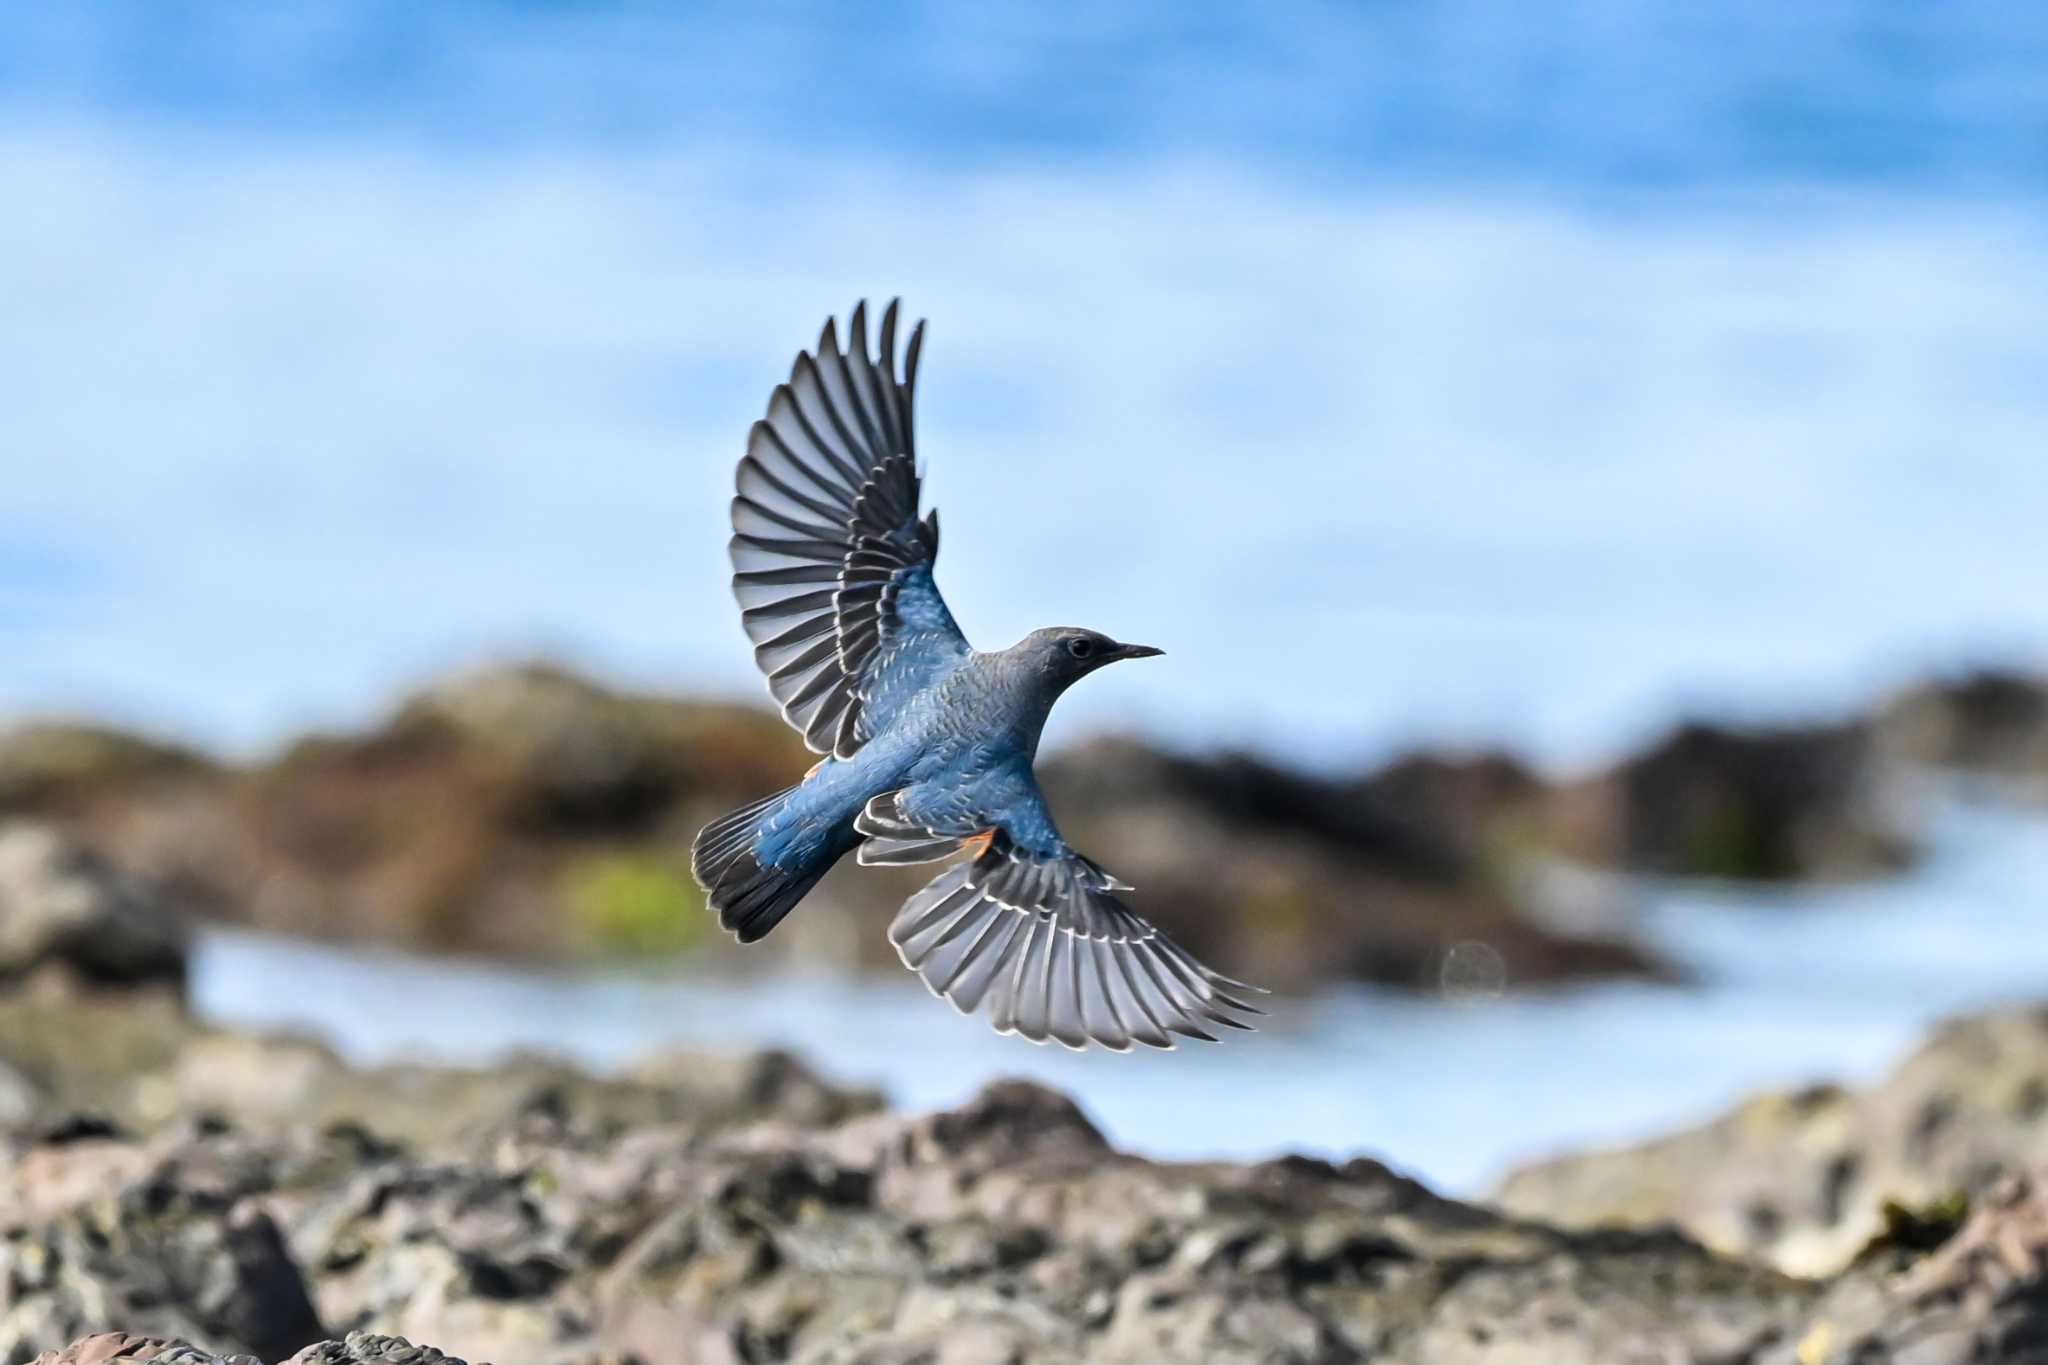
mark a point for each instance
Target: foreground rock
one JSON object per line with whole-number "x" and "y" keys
{"x": 359, "y": 1348}
{"x": 1006, "y": 1230}
{"x": 1803, "y": 1179}
{"x": 256, "y": 1196}
{"x": 85, "y": 1066}
{"x": 1980, "y": 1296}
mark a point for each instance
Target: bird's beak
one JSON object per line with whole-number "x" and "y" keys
{"x": 1138, "y": 652}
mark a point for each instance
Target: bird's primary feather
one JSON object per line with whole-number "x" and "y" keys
{"x": 1041, "y": 938}
{"x": 832, "y": 566}
{"x": 929, "y": 744}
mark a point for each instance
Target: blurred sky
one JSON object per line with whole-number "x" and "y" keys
{"x": 1514, "y": 371}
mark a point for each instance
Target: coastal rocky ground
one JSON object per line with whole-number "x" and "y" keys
{"x": 524, "y": 811}
{"x": 254, "y": 1196}
{"x": 174, "y": 1191}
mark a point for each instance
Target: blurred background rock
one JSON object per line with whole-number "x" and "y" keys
{"x": 530, "y": 812}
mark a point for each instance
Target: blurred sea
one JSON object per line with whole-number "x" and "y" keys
{"x": 1519, "y": 372}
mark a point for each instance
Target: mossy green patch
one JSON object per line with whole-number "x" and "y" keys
{"x": 634, "y": 904}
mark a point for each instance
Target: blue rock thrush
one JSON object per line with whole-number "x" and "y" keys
{"x": 928, "y": 742}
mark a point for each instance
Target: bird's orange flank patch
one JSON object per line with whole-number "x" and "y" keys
{"x": 978, "y": 844}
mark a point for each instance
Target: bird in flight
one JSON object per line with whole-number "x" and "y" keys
{"x": 928, "y": 742}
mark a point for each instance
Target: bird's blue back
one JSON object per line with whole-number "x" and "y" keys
{"x": 961, "y": 735}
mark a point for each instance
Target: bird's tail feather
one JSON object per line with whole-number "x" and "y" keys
{"x": 751, "y": 897}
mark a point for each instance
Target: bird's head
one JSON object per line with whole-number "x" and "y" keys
{"x": 1066, "y": 654}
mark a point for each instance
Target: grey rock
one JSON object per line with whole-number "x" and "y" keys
{"x": 762, "y": 1221}
{"x": 1005, "y": 1229}
{"x": 62, "y": 905}
{"x": 159, "y": 1258}
{"x": 1980, "y": 1299}
{"x": 142, "y": 1063}
{"x": 368, "y": 1348}
{"x": 108, "y": 1347}
{"x": 1802, "y": 1178}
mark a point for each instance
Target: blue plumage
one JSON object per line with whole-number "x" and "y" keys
{"x": 928, "y": 742}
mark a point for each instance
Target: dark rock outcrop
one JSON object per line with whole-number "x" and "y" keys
{"x": 1761, "y": 805}
{"x": 1993, "y": 721}
{"x": 1288, "y": 876}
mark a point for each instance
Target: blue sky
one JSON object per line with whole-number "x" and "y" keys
{"x": 1450, "y": 371}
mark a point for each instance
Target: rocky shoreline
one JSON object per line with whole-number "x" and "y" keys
{"x": 530, "y": 813}
{"x": 256, "y": 1196}
{"x": 175, "y": 1191}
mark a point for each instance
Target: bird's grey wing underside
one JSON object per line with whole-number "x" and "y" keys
{"x": 831, "y": 564}
{"x": 1034, "y": 931}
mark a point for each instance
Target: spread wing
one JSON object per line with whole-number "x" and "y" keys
{"x": 1035, "y": 931}
{"x": 831, "y": 564}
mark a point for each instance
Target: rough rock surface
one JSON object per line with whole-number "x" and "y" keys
{"x": 1003, "y": 1230}
{"x": 358, "y": 1348}
{"x": 1979, "y": 1298}
{"x": 1801, "y": 1179}
{"x": 742, "y": 1210}
{"x": 140, "y": 1065}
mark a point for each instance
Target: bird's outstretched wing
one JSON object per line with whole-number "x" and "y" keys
{"x": 1035, "y": 931}
{"x": 831, "y": 564}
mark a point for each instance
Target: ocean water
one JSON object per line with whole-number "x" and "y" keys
{"x": 1786, "y": 988}
{"x": 1488, "y": 372}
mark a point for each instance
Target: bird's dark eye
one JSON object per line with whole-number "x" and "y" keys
{"x": 1080, "y": 646}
